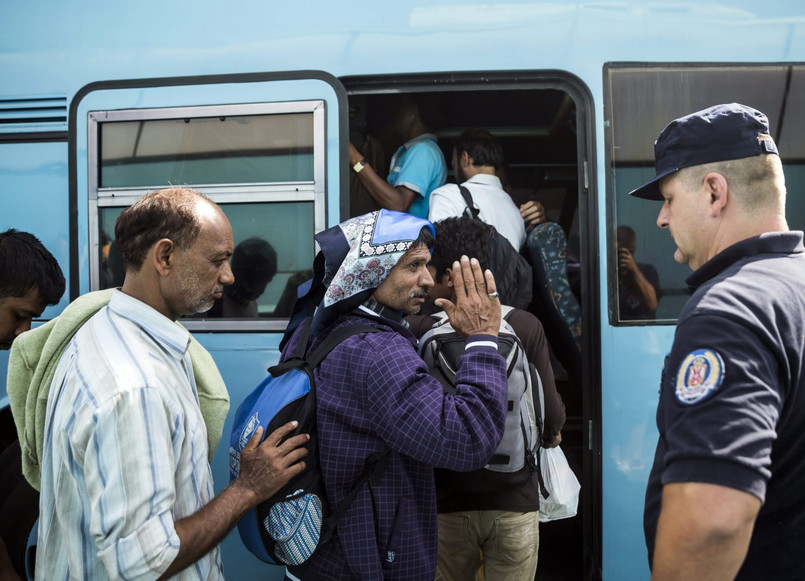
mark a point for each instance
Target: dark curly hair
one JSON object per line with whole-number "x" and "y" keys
{"x": 457, "y": 236}
{"x": 26, "y": 264}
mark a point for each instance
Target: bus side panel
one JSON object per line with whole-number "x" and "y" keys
{"x": 632, "y": 360}
{"x": 243, "y": 360}
{"x": 33, "y": 198}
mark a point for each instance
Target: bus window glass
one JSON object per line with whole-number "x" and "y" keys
{"x": 273, "y": 252}
{"x": 236, "y": 149}
{"x": 641, "y": 101}
{"x": 262, "y": 163}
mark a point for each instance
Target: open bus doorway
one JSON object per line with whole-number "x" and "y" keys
{"x": 537, "y": 124}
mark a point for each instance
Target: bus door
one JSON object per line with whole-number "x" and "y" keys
{"x": 266, "y": 149}
{"x": 543, "y": 121}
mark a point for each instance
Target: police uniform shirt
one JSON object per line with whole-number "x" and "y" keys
{"x": 732, "y": 396}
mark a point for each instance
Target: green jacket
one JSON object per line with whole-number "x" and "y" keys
{"x": 32, "y": 364}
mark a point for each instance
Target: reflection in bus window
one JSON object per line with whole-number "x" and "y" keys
{"x": 642, "y": 100}
{"x": 638, "y": 282}
{"x": 273, "y": 245}
{"x": 254, "y": 264}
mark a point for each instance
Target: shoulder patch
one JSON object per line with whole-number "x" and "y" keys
{"x": 699, "y": 375}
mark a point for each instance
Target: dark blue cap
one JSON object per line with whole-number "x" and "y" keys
{"x": 719, "y": 133}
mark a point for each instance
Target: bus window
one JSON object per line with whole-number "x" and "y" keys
{"x": 641, "y": 101}
{"x": 208, "y": 150}
{"x": 260, "y": 163}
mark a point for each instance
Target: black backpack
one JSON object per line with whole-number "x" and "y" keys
{"x": 516, "y": 458}
{"x": 287, "y": 528}
{"x": 513, "y": 276}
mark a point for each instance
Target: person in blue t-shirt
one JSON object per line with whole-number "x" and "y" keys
{"x": 417, "y": 168}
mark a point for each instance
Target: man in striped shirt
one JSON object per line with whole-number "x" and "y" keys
{"x": 127, "y": 490}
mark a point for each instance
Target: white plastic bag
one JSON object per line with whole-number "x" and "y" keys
{"x": 562, "y": 485}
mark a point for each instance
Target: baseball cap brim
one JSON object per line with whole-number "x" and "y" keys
{"x": 651, "y": 190}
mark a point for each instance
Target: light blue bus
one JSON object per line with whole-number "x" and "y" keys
{"x": 254, "y": 103}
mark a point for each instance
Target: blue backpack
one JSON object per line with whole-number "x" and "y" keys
{"x": 287, "y": 528}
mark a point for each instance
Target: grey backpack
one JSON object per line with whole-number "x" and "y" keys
{"x": 515, "y": 459}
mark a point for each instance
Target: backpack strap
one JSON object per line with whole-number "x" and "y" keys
{"x": 373, "y": 472}
{"x": 507, "y": 312}
{"x": 315, "y": 357}
{"x": 332, "y": 341}
{"x": 465, "y": 193}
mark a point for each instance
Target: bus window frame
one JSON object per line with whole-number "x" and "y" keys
{"x": 263, "y": 192}
{"x": 611, "y": 201}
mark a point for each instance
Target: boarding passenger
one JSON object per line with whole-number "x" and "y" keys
{"x": 725, "y": 498}
{"x": 638, "y": 282}
{"x": 497, "y": 529}
{"x": 417, "y": 168}
{"x": 374, "y": 395}
{"x": 477, "y": 156}
{"x": 136, "y": 406}
{"x": 30, "y": 279}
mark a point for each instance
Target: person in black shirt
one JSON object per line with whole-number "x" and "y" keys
{"x": 725, "y": 498}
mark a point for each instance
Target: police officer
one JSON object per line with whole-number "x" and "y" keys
{"x": 725, "y": 496}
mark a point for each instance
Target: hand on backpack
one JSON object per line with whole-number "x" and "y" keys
{"x": 477, "y": 308}
{"x": 267, "y": 467}
{"x": 533, "y": 214}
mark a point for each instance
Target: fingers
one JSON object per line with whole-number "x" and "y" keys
{"x": 478, "y": 277}
{"x": 275, "y": 437}
{"x": 458, "y": 279}
{"x": 254, "y": 441}
{"x": 292, "y": 445}
{"x": 469, "y": 280}
{"x": 446, "y": 305}
{"x": 533, "y": 213}
{"x": 491, "y": 287}
{"x": 471, "y": 277}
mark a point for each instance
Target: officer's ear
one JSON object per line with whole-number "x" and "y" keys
{"x": 718, "y": 192}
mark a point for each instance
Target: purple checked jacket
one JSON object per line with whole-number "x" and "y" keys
{"x": 375, "y": 394}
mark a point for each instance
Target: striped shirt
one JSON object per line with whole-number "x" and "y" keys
{"x": 125, "y": 451}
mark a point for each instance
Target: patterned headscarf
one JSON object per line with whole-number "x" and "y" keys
{"x": 355, "y": 258}
{"x": 376, "y": 242}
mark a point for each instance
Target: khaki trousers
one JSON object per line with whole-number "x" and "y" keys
{"x": 505, "y": 543}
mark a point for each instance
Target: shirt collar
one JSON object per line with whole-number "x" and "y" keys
{"x": 485, "y": 179}
{"x": 168, "y": 333}
{"x": 370, "y": 305}
{"x": 410, "y": 143}
{"x": 768, "y": 243}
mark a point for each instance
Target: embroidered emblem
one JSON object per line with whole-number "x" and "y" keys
{"x": 699, "y": 375}
{"x": 248, "y": 431}
{"x": 243, "y": 439}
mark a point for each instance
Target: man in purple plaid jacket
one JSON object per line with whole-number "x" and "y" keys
{"x": 374, "y": 395}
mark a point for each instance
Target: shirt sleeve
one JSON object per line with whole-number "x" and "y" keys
{"x": 721, "y": 400}
{"x": 129, "y": 471}
{"x": 415, "y": 417}
{"x": 419, "y": 166}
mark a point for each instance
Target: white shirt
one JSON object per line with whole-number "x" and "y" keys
{"x": 495, "y": 206}
{"x": 125, "y": 451}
